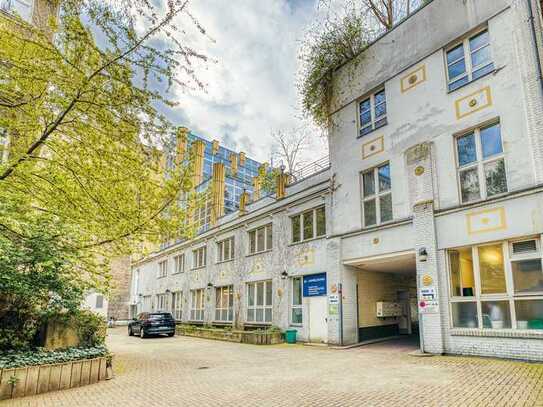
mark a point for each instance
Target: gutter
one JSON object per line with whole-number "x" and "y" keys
{"x": 531, "y": 18}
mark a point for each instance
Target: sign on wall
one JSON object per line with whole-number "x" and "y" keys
{"x": 428, "y": 303}
{"x": 314, "y": 285}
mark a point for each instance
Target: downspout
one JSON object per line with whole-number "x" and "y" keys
{"x": 531, "y": 17}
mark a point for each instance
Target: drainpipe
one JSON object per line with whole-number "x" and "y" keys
{"x": 531, "y": 17}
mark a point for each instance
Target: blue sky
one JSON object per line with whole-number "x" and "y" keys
{"x": 251, "y": 86}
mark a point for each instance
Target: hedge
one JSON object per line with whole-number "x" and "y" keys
{"x": 14, "y": 359}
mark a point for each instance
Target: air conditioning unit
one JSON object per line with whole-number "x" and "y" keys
{"x": 389, "y": 309}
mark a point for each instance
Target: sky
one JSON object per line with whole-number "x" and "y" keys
{"x": 251, "y": 82}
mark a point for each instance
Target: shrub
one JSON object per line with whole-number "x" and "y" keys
{"x": 91, "y": 328}
{"x": 13, "y": 359}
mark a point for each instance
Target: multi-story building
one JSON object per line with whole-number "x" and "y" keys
{"x": 429, "y": 220}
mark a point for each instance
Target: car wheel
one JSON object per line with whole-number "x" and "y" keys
{"x": 142, "y": 333}
{"x": 130, "y": 332}
{"x": 171, "y": 334}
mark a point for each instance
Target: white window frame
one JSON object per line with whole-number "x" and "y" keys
{"x": 177, "y": 305}
{"x": 199, "y": 257}
{"x": 225, "y": 250}
{"x": 220, "y": 307}
{"x": 162, "y": 268}
{"x": 509, "y": 296}
{"x": 479, "y": 163}
{"x": 377, "y": 195}
{"x": 268, "y": 240}
{"x": 11, "y": 6}
{"x": 253, "y": 286}
{"x": 178, "y": 263}
{"x": 467, "y": 59}
{"x": 372, "y": 125}
{"x": 297, "y": 306}
{"x": 197, "y": 304}
{"x": 300, "y": 217}
{"x": 147, "y": 303}
{"x": 162, "y": 303}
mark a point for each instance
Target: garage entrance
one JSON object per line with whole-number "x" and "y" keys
{"x": 387, "y": 297}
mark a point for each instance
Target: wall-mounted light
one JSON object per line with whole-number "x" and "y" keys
{"x": 168, "y": 291}
{"x": 209, "y": 286}
{"x": 423, "y": 255}
{"x": 284, "y": 275}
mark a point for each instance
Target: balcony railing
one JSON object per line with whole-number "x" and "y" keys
{"x": 311, "y": 169}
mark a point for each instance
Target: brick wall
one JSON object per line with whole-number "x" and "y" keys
{"x": 120, "y": 294}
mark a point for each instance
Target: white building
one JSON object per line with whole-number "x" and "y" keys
{"x": 433, "y": 202}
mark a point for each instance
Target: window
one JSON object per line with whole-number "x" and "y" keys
{"x": 372, "y": 112}
{"x": 147, "y": 303}
{"x": 497, "y": 286}
{"x": 296, "y": 309}
{"x": 259, "y": 302}
{"x": 162, "y": 302}
{"x": 308, "y": 225}
{"x": 199, "y": 257}
{"x": 225, "y": 250}
{"x": 377, "y": 195}
{"x": 469, "y": 60}
{"x": 260, "y": 240}
{"x": 177, "y": 305}
{"x": 99, "y": 301}
{"x": 224, "y": 304}
{"x": 162, "y": 268}
{"x": 179, "y": 263}
{"x": 481, "y": 165}
{"x": 197, "y": 305}
{"x": 23, "y": 8}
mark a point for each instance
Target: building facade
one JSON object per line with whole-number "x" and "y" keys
{"x": 429, "y": 220}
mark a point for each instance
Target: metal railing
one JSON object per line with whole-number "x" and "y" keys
{"x": 311, "y": 169}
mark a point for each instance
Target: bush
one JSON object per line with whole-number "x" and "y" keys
{"x": 91, "y": 328}
{"x": 13, "y": 359}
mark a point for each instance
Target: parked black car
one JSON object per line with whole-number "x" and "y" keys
{"x": 152, "y": 323}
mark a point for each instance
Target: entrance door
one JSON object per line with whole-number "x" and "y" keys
{"x": 318, "y": 319}
{"x": 405, "y": 323}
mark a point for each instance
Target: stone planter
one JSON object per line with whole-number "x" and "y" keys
{"x": 30, "y": 380}
{"x": 251, "y": 337}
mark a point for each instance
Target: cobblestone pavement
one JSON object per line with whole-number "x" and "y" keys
{"x": 183, "y": 371}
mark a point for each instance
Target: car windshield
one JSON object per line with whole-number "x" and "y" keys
{"x": 160, "y": 316}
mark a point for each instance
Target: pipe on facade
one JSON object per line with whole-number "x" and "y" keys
{"x": 531, "y": 17}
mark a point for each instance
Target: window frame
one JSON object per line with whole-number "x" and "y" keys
{"x": 199, "y": 257}
{"x": 509, "y": 296}
{"x": 268, "y": 245}
{"x": 376, "y": 196}
{"x": 177, "y": 262}
{"x": 297, "y": 306}
{"x": 197, "y": 305}
{"x": 467, "y": 53}
{"x": 480, "y": 162}
{"x": 162, "y": 303}
{"x": 162, "y": 271}
{"x": 221, "y": 250}
{"x": 101, "y": 297}
{"x": 264, "y": 305}
{"x": 372, "y": 126}
{"x": 177, "y": 305}
{"x": 228, "y": 307}
{"x": 300, "y": 218}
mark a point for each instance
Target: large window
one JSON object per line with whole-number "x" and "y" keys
{"x": 179, "y": 263}
{"x": 147, "y": 303}
{"x": 372, "y": 112}
{"x": 224, "y": 304}
{"x": 225, "y": 250}
{"x": 260, "y": 240}
{"x": 497, "y": 286}
{"x": 177, "y": 305}
{"x": 296, "y": 308}
{"x": 481, "y": 164}
{"x": 308, "y": 225}
{"x": 162, "y": 302}
{"x": 259, "y": 302}
{"x": 469, "y": 60}
{"x": 163, "y": 268}
{"x": 197, "y": 305}
{"x": 377, "y": 195}
{"x": 199, "y": 257}
{"x": 99, "y": 301}
{"x": 23, "y": 8}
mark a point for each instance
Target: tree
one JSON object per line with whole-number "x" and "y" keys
{"x": 88, "y": 145}
{"x": 291, "y": 144}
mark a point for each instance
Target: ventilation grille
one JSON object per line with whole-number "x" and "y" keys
{"x": 528, "y": 246}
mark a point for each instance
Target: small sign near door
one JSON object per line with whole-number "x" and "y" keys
{"x": 428, "y": 303}
{"x": 315, "y": 285}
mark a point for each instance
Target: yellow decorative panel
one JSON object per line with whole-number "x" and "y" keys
{"x": 473, "y": 103}
{"x": 373, "y": 147}
{"x": 234, "y": 163}
{"x": 413, "y": 78}
{"x": 306, "y": 258}
{"x": 488, "y": 220}
{"x": 241, "y": 158}
{"x": 215, "y": 147}
{"x": 218, "y": 192}
{"x": 256, "y": 188}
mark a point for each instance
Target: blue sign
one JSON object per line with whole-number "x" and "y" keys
{"x": 315, "y": 285}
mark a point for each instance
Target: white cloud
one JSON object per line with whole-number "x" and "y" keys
{"x": 251, "y": 88}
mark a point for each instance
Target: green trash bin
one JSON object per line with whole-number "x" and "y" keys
{"x": 290, "y": 335}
